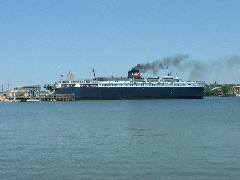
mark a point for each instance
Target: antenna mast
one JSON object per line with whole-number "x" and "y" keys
{"x": 94, "y": 75}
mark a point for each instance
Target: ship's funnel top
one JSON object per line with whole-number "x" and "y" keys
{"x": 134, "y": 74}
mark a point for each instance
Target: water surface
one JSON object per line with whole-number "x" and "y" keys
{"x": 137, "y": 139}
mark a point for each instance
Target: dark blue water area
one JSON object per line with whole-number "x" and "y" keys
{"x": 135, "y": 139}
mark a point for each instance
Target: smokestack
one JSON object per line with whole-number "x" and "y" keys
{"x": 134, "y": 73}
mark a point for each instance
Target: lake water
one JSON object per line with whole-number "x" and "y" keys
{"x": 135, "y": 139}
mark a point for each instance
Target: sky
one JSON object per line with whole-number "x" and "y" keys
{"x": 40, "y": 40}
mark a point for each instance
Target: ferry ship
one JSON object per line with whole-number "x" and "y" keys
{"x": 134, "y": 86}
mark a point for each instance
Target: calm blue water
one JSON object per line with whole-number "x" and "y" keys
{"x": 137, "y": 139}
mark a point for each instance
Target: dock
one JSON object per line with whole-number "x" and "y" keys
{"x": 58, "y": 97}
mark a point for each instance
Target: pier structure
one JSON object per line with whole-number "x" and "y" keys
{"x": 58, "y": 97}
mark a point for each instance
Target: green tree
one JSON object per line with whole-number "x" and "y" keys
{"x": 225, "y": 89}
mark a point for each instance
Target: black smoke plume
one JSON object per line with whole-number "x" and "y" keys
{"x": 223, "y": 70}
{"x": 164, "y": 63}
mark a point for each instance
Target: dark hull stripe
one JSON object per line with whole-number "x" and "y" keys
{"x": 88, "y": 93}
